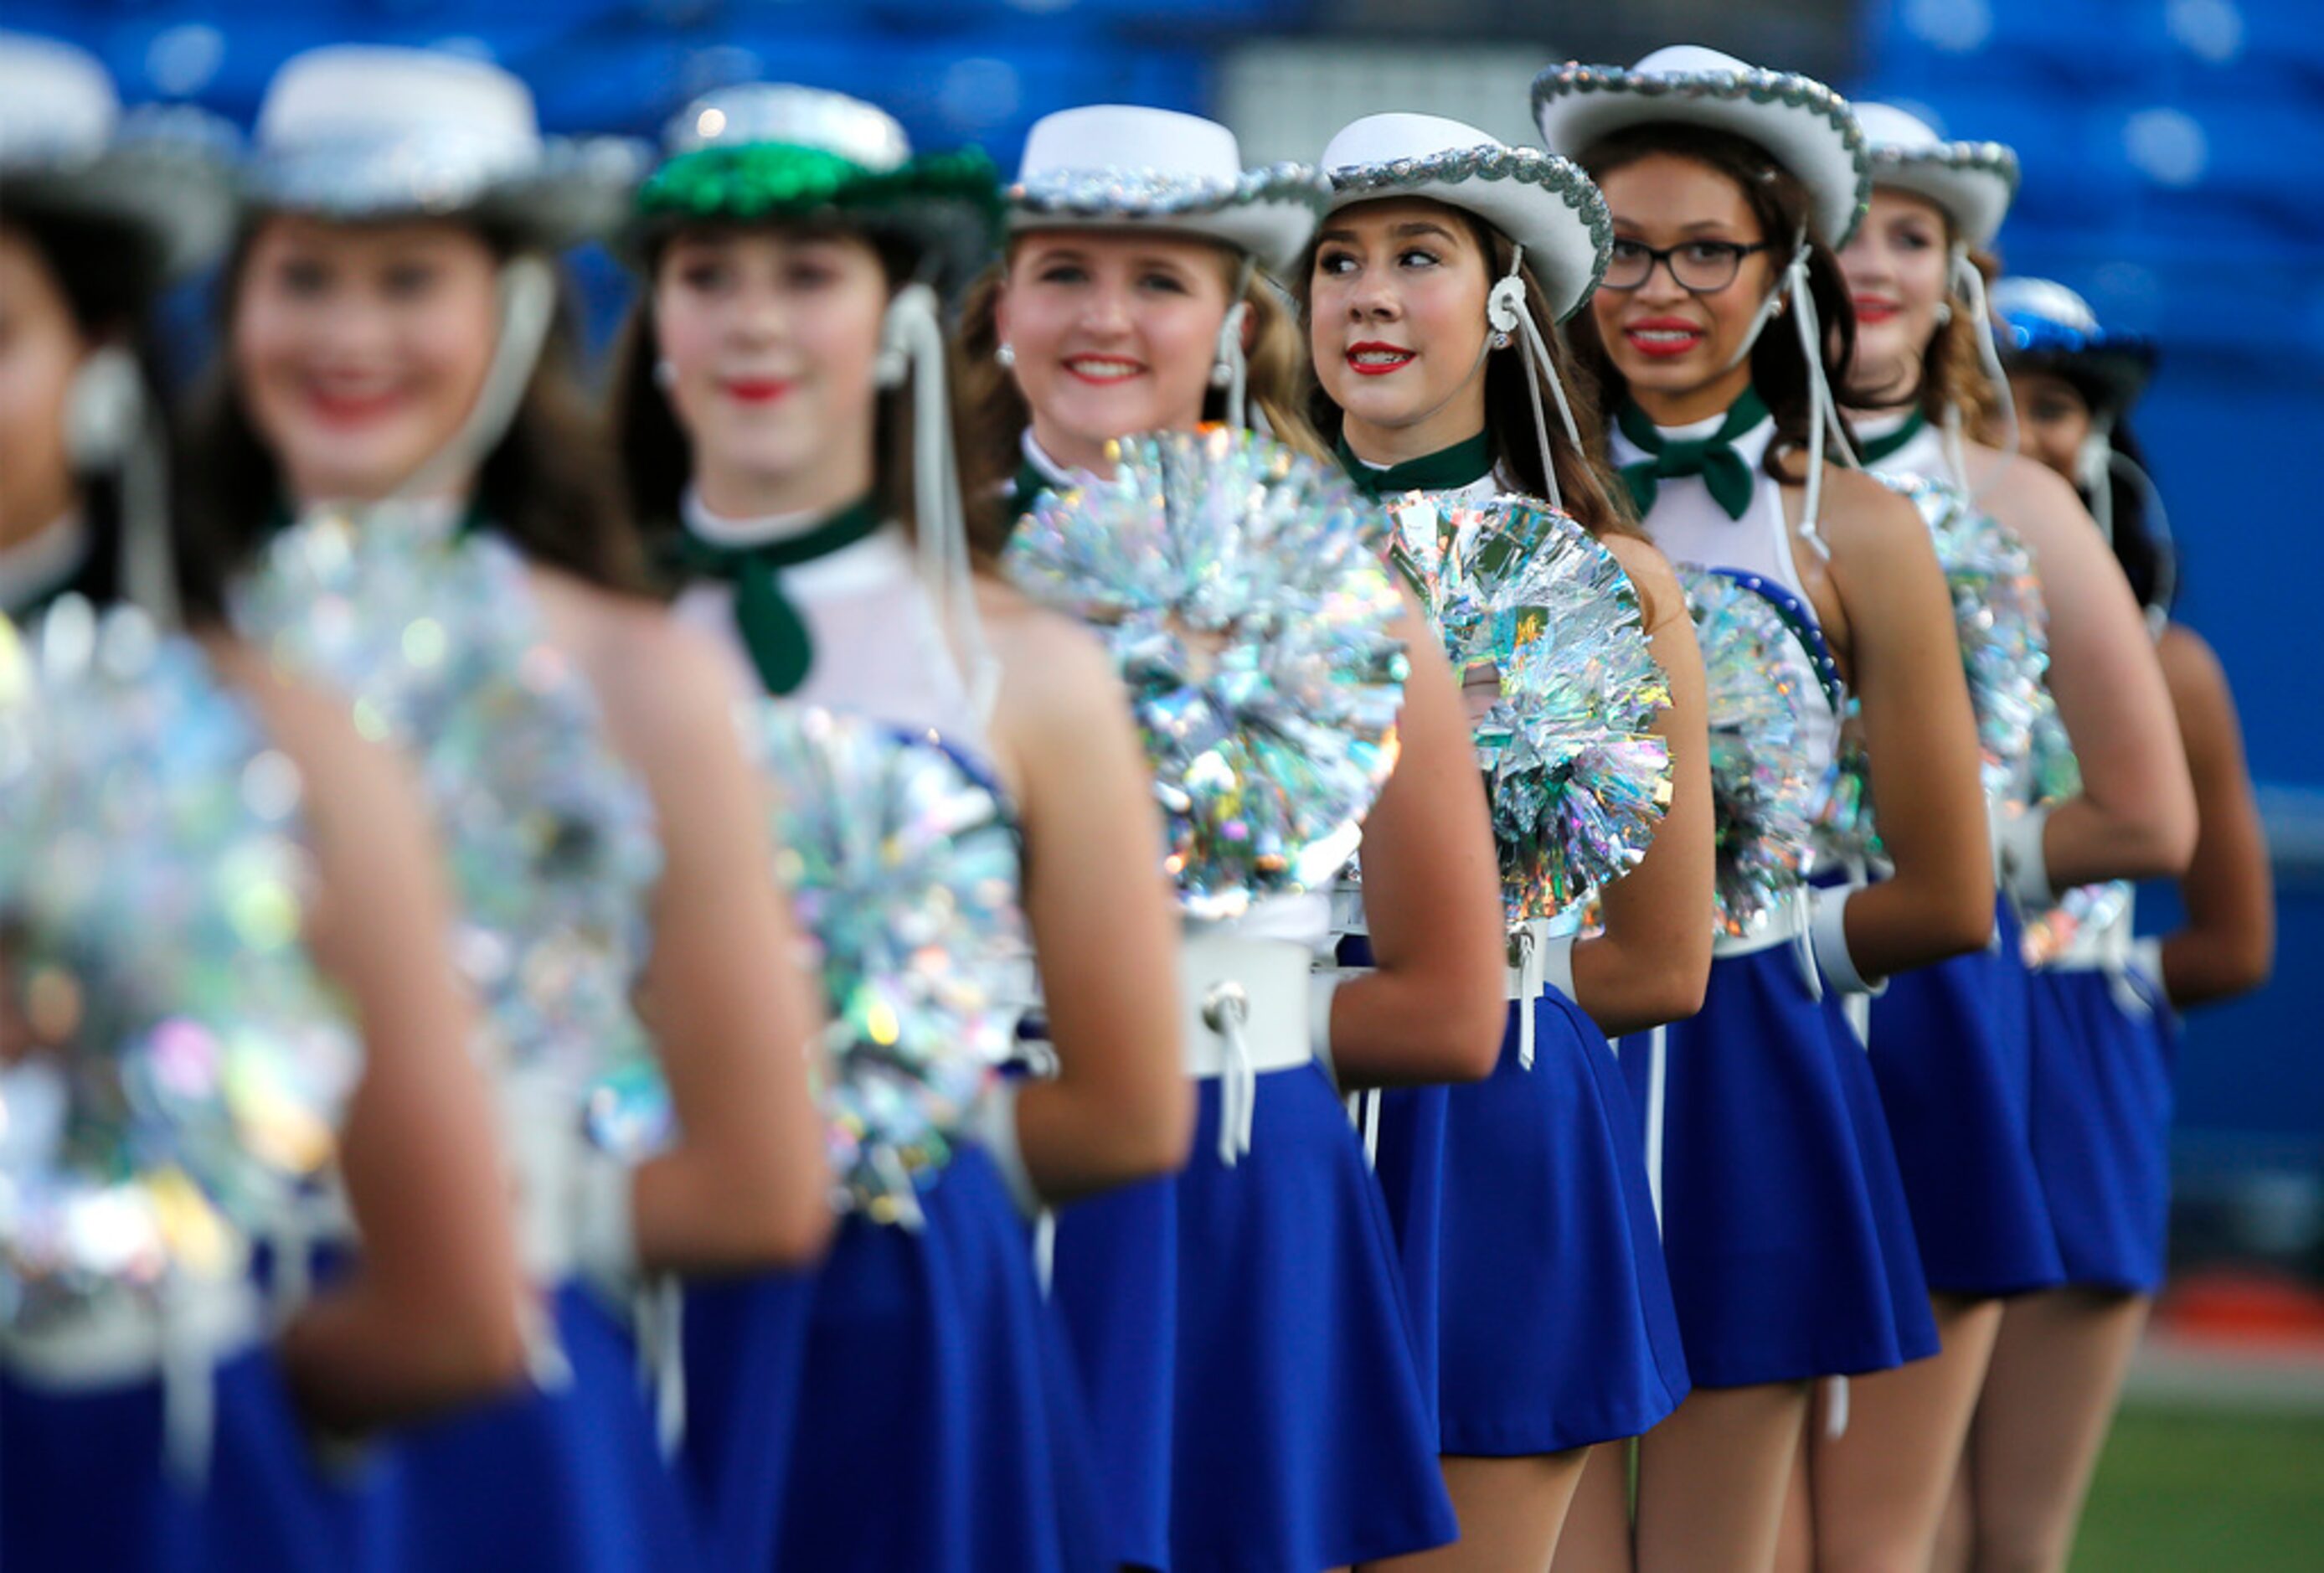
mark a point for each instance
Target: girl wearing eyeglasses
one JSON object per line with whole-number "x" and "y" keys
{"x": 1785, "y": 1226}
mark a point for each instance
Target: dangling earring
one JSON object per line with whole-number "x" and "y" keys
{"x": 665, "y": 375}
{"x": 1006, "y": 354}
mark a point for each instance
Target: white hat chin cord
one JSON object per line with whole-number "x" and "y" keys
{"x": 1823, "y": 411}
{"x": 2093, "y": 461}
{"x": 2158, "y": 530}
{"x": 912, "y": 351}
{"x": 1505, "y": 312}
{"x": 109, "y": 425}
{"x": 528, "y": 306}
{"x": 1230, "y": 364}
{"x": 1970, "y": 283}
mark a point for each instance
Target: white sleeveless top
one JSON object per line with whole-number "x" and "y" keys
{"x": 1691, "y": 527}
{"x": 877, "y": 646}
{"x": 1922, "y": 457}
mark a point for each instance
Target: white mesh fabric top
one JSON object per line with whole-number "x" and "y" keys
{"x": 879, "y": 649}
{"x": 1690, "y": 527}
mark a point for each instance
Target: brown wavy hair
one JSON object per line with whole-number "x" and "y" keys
{"x": 548, "y": 484}
{"x": 1779, "y": 202}
{"x": 1585, "y": 476}
{"x": 993, "y": 414}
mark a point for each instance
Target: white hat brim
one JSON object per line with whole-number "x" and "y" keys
{"x": 1804, "y": 126}
{"x": 1268, "y": 214}
{"x": 1543, "y": 203}
{"x": 1973, "y": 181}
{"x": 575, "y": 190}
{"x": 170, "y": 183}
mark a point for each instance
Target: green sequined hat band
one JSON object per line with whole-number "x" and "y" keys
{"x": 775, "y": 181}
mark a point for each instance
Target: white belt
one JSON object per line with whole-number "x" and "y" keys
{"x": 1243, "y": 1009}
{"x": 182, "y": 1334}
{"x": 1787, "y": 924}
{"x": 2111, "y": 949}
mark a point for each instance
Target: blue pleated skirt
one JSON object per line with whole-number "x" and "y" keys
{"x": 83, "y": 1485}
{"x": 1409, "y": 1165}
{"x": 569, "y": 1481}
{"x": 1558, "y": 1325}
{"x": 936, "y": 1427}
{"x": 1784, "y": 1225}
{"x": 2101, "y": 1122}
{"x": 1115, "y": 1289}
{"x": 1302, "y": 1440}
{"x": 1951, "y": 1048}
{"x": 745, "y": 1354}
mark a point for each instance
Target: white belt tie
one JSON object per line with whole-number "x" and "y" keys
{"x": 1244, "y": 1008}
{"x": 181, "y": 1334}
{"x": 1526, "y": 979}
{"x": 1226, "y": 1012}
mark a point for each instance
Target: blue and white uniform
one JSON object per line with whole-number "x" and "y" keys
{"x": 908, "y": 1404}
{"x": 1784, "y": 1224}
{"x": 1508, "y": 1194}
{"x": 1950, "y": 1045}
{"x": 1241, "y": 1330}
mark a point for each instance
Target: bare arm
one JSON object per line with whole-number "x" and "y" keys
{"x": 2227, "y": 946}
{"x": 428, "y": 1317}
{"x": 1432, "y": 1009}
{"x": 2135, "y": 818}
{"x": 1904, "y": 661}
{"x": 1651, "y": 964}
{"x": 730, "y": 1007}
{"x": 1105, "y": 930}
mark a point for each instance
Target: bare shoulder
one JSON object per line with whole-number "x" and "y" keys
{"x": 1864, "y": 520}
{"x": 2028, "y": 496}
{"x": 1048, "y": 661}
{"x": 2191, "y": 668}
{"x": 660, "y": 682}
{"x": 1659, "y": 594}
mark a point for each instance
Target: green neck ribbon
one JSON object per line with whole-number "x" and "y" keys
{"x": 1714, "y": 457}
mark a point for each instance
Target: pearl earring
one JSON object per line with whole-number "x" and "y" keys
{"x": 665, "y": 375}
{"x": 1006, "y": 354}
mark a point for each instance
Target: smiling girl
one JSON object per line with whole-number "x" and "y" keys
{"x": 789, "y": 240}
{"x": 294, "y": 1005}
{"x": 1130, "y": 300}
{"x": 1521, "y": 1204}
{"x": 1789, "y": 1249}
{"x": 455, "y": 568}
{"x": 1951, "y": 1043}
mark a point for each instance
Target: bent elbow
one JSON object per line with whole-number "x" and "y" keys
{"x": 479, "y": 1350}
{"x": 1469, "y": 1046}
{"x": 1966, "y": 925}
{"x": 1167, "y": 1135}
{"x": 800, "y": 1229}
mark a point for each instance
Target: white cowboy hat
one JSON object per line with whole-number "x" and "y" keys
{"x": 1973, "y": 181}
{"x": 1110, "y": 166}
{"x": 359, "y": 132}
{"x": 1802, "y": 124}
{"x": 1541, "y": 201}
{"x": 161, "y": 175}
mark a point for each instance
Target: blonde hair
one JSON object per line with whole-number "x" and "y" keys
{"x": 993, "y": 414}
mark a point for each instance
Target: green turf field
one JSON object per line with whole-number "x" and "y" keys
{"x": 2188, "y": 1491}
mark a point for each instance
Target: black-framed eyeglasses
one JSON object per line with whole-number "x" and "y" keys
{"x": 1700, "y": 267}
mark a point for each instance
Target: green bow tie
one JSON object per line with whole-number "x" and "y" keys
{"x": 1447, "y": 469}
{"x": 1714, "y": 457}
{"x": 773, "y": 630}
{"x": 1881, "y": 447}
